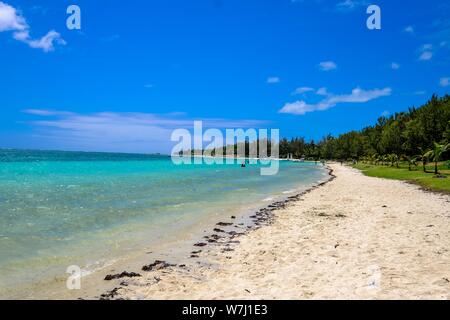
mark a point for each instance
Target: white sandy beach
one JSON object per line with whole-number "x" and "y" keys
{"x": 355, "y": 237}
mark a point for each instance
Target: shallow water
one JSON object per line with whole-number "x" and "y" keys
{"x": 60, "y": 208}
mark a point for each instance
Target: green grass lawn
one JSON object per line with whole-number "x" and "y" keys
{"x": 416, "y": 176}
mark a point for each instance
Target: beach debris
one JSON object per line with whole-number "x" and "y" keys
{"x": 340, "y": 215}
{"x": 195, "y": 252}
{"x": 218, "y": 230}
{"x": 157, "y": 265}
{"x": 235, "y": 234}
{"x": 247, "y": 290}
{"x": 233, "y": 217}
{"x": 194, "y": 256}
{"x": 385, "y": 206}
{"x": 124, "y": 274}
{"x": 224, "y": 224}
{"x": 200, "y": 244}
{"x": 322, "y": 214}
{"x": 110, "y": 294}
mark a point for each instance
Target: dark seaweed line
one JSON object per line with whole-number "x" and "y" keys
{"x": 263, "y": 217}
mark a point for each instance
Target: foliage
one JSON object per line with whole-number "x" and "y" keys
{"x": 408, "y": 134}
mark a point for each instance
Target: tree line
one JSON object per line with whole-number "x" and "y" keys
{"x": 412, "y": 133}
{"x": 418, "y": 133}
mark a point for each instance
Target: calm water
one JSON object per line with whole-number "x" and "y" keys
{"x": 62, "y": 208}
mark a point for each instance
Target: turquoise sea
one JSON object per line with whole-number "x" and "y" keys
{"x": 75, "y": 208}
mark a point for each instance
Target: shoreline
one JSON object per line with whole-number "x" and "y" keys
{"x": 177, "y": 249}
{"x": 223, "y": 235}
{"x": 352, "y": 237}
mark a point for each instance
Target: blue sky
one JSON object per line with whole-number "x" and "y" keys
{"x": 139, "y": 69}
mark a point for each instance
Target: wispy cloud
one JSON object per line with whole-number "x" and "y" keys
{"x": 119, "y": 131}
{"x": 327, "y": 65}
{"x": 444, "y": 82}
{"x": 426, "y": 52}
{"x": 322, "y": 91}
{"x": 409, "y": 29}
{"x": 348, "y": 5}
{"x": 273, "y": 80}
{"x": 302, "y": 90}
{"x": 12, "y": 20}
{"x": 356, "y": 96}
{"x": 46, "y": 113}
{"x": 426, "y": 56}
{"x": 395, "y": 66}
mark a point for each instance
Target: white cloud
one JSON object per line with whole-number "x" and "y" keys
{"x": 426, "y": 55}
{"x": 149, "y": 85}
{"x": 426, "y": 52}
{"x": 47, "y": 113}
{"x": 409, "y": 29}
{"x": 359, "y": 95}
{"x": 444, "y": 82}
{"x": 356, "y": 96}
{"x": 327, "y": 66}
{"x": 272, "y": 80}
{"x": 350, "y": 4}
{"x": 119, "y": 131}
{"x": 46, "y": 43}
{"x": 302, "y": 90}
{"x": 395, "y": 66}
{"x": 385, "y": 113}
{"x": 12, "y": 20}
{"x": 322, "y": 91}
{"x": 419, "y": 92}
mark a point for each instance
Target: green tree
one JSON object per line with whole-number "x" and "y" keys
{"x": 436, "y": 154}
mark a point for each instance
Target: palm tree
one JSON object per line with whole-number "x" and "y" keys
{"x": 436, "y": 154}
{"x": 412, "y": 161}
{"x": 393, "y": 159}
{"x": 385, "y": 160}
{"x": 424, "y": 158}
{"x": 373, "y": 158}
